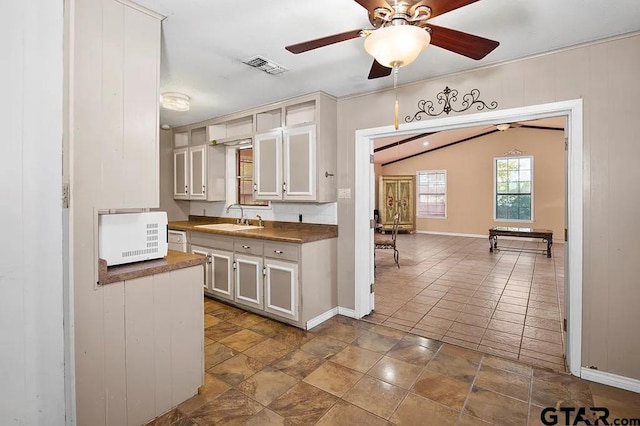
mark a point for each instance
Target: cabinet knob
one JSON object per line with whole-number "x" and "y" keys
{"x": 246, "y": 247}
{"x": 278, "y": 251}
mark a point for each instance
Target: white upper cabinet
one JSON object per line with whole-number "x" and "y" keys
{"x": 181, "y": 174}
{"x": 198, "y": 178}
{"x": 294, "y": 148}
{"x": 299, "y": 163}
{"x": 117, "y": 82}
{"x": 267, "y": 165}
{"x": 295, "y": 161}
{"x": 199, "y": 168}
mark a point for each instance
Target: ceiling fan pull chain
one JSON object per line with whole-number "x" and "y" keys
{"x": 396, "y": 107}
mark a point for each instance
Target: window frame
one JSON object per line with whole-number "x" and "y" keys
{"x": 231, "y": 174}
{"x": 446, "y": 192}
{"x": 495, "y": 189}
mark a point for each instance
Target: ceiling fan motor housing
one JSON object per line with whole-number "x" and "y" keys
{"x": 401, "y": 13}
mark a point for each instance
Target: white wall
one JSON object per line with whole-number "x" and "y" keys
{"x": 31, "y": 291}
{"x": 326, "y": 213}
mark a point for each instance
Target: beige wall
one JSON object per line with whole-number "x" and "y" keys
{"x": 176, "y": 209}
{"x": 469, "y": 167}
{"x": 604, "y": 75}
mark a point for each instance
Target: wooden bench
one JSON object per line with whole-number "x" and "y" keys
{"x": 505, "y": 231}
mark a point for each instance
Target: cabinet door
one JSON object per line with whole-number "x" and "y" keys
{"x": 281, "y": 288}
{"x": 300, "y": 163}
{"x": 222, "y": 273}
{"x": 181, "y": 174}
{"x": 406, "y": 201}
{"x": 198, "y": 175}
{"x": 267, "y": 166}
{"x": 248, "y": 281}
{"x": 207, "y": 266}
{"x": 388, "y": 200}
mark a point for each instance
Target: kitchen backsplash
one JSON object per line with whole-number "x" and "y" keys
{"x": 282, "y": 212}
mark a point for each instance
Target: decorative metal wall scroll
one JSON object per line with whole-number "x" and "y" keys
{"x": 446, "y": 98}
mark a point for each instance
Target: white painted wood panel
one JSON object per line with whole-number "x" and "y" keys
{"x": 113, "y": 129}
{"x": 141, "y": 59}
{"x": 86, "y": 99}
{"x": 187, "y": 332}
{"x": 111, "y": 141}
{"x": 31, "y": 338}
{"x": 140, "y": 349}
{"x": 163, "y": 301}
{"x": 115, "y": 355}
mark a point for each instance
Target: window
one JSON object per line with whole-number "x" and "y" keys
{"x": 244, "y": 178}
{"x": 432, "y": 193}
{"x": 513, "y": 188}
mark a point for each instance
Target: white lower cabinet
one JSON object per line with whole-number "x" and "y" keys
{"x": 206, "y": 284}
{"x": 221, "y": 271}
{"x": 248, "y": 280}
{"x": 270, "y": 277}
{"x": 281, "y": 288}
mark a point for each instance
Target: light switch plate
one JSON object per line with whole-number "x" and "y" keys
{"x": 344, "y": 193}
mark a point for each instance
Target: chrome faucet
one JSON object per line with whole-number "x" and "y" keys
{"x": 259, "y": 220}
{"x": 241, "y": 220}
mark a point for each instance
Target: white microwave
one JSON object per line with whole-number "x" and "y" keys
{"x": 132, "y": 237}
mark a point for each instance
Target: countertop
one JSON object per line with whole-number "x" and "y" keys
{"x": 276, "y": 231}
{"x": 174, "y": 260}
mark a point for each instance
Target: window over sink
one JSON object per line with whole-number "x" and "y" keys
{"x": 241, "y": 174}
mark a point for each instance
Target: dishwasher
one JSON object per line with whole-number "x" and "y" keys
{"x": 177, "y": 240}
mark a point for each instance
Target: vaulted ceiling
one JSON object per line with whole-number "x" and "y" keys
{"x": 204, "y": 44}
{"x": 397, "y": 148}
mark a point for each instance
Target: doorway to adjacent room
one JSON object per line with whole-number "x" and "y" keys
{"x": 572, "y": 111}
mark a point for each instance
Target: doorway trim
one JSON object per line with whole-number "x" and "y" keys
{"x": 572, "y": 110}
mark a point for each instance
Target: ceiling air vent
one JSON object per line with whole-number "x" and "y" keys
{"x": 265, "y": 65}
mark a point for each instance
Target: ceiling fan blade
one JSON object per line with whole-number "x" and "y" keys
{"x": 378, "y": 70}
{"x": 323, "y": 41}
{"x": 469, "y": 45}
{"x": 439, "y": 7}
{"x": 372, "y": 4}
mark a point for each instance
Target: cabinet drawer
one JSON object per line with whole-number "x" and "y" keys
{"x": 245, "y": 245}
{"x": 282, "y": 251}
{"x": 213, "y": 241}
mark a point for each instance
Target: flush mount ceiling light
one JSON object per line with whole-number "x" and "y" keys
{"x": 397, "y": 45}
{"x": 175, "y": 101}
{"x": 502, "y": 126}
{"x": 425, "y": 143}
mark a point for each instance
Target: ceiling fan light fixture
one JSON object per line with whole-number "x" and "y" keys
{"x": 397, "y": 45}
{"x": 175, "y": 101}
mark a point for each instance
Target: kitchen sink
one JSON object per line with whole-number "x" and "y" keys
{"x": 229, "y": 226}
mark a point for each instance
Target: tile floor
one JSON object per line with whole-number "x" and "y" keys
{"x": 452, "y": 289}
{"x": 348, "y": 372}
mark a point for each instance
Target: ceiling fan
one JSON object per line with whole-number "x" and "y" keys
{"x": 401, "y": 31}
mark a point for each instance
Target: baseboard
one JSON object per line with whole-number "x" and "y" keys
{"x": 456, "y": 234}
{"x": 313, "y": 322}
{"x": 610, "y": 379}
{"x": 453, "y": 234}
{"x": 346, "y": 312}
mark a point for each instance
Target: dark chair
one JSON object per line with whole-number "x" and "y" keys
{"x": 386, "y": 242}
